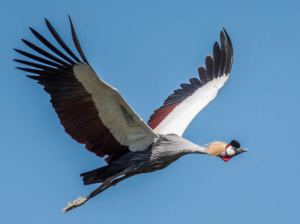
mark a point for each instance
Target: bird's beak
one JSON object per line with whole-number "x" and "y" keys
{"x": 240, "y": 150}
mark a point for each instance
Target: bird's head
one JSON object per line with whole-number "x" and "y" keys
{"x": 225, "y": 151}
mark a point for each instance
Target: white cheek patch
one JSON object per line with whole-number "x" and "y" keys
{"x": 230, "y": 151}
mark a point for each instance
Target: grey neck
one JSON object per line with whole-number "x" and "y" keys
{"x": 172, "y": 144}
{"x": 196, "y": 149}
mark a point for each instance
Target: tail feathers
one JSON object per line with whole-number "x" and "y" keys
{"x": 99, "y": 175}
{"x": 91, "y": 176}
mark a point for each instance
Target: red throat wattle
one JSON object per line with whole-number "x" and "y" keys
{"x": 225, "y": 158}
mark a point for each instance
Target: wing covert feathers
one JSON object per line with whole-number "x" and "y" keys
{"x": 184, "y": 104}
{"x": 92, "y": 112}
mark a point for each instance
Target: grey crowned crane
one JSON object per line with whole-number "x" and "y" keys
{"x": 95, "y": 114}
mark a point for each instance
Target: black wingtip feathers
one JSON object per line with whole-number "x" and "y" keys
{"x": 76, "y": 42}
{"x": 221, "y": 62}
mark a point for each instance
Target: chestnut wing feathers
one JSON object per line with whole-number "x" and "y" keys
{"x": 92, "y": 112}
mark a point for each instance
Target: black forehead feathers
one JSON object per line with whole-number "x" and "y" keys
{"x": 235, "y": 144}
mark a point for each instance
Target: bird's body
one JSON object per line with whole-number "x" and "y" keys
{"x": 95, "y": 114}
{"x": 167, "y": 149}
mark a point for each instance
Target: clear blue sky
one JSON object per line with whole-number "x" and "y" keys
{"x": 146, "y": 49}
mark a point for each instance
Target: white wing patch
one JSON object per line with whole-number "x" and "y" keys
{"x": 177, "y": 121}
{"x": 115, "y": 113}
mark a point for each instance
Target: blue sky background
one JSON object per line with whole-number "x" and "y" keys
{"x": 146, "y": 49}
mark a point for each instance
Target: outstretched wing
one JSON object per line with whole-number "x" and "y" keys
{"x": 91, "y": 111}
{"x": 181, "y": 107}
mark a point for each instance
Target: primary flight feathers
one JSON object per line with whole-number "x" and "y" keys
{"x": 180, "y": 108}
{"x": 95, "y": 114}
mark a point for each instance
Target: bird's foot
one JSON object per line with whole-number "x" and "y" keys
{"x": 79, "y": 201}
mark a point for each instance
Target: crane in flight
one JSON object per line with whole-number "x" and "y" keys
{"x": 95, "y": 114}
